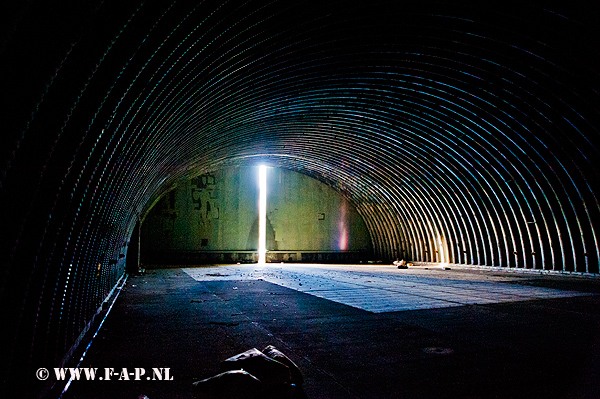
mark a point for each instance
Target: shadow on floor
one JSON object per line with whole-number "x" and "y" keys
{"x": 165, "y": 319}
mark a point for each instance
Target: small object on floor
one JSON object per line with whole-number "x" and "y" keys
{"x": 232, "y": 384}
{"x": 267, "y": 370}
{"x": 438, "y": 351}
{"x": 276, "y": 354}
{"x": 401, "y": 264}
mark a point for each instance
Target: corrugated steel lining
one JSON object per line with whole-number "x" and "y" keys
{"x": 437, "y": 127}
{"x": 462, "y": 133}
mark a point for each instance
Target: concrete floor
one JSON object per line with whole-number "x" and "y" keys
{"x": 357, "y": 331}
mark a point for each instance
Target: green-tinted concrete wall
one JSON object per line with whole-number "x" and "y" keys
{"x": 306, "y": 214}
{"x": 217, "y": 213}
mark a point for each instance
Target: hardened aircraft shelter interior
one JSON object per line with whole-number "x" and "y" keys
{"x": 461, "y": 137}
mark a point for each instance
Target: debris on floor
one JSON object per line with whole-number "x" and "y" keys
{"x": 232, "y": 384}
{"x": 276, "y": 354}
{"x": 254, "y": 374}
{"x": 261, "y": 366}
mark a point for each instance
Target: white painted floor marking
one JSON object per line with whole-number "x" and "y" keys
{"x": 378, "y": 289}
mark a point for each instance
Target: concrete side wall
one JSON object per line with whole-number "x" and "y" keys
{"x": 215, "y": 211}
{"x": 218, "y": 212}
{"x": 306, "y": 214}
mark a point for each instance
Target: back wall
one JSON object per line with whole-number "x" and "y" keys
{"x": 213, "y": 217}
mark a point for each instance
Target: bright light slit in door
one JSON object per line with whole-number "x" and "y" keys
{"x": 262, "y": 214}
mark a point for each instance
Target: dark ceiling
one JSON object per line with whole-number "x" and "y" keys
{"x": 462, "y": 131}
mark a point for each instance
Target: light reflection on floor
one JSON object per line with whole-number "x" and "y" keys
{"x": 383, "y": 288}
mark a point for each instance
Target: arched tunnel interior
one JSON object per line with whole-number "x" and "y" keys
{"x": 460, "y": 133}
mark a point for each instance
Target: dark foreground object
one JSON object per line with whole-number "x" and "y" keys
{"x": 232, "y": 384}
{"x": 529, "y": 349}
{"x": 253, "y": 374}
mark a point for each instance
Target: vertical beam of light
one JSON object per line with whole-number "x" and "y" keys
{"x": 262, "y": 214}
